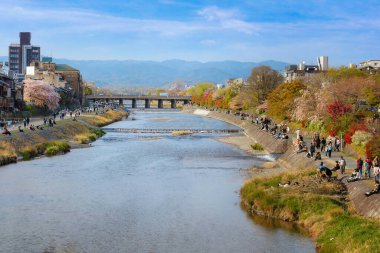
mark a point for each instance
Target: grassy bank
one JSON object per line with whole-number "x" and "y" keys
{"x": 317, "y": 205}
{"x": 54, "y": 140}
{"x": 105, "y": 118}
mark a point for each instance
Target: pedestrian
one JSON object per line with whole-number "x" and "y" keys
{"x": 359, "y": 167}
{"x": 24, "y": 121}
{"x": 375, "y": 162}
{"x": 323, "y": 144}
{"x": 312, "y": 149}
{"x": 367, "y": 166}
{"x": 376, "y": 173}
{"x": 337, "y": 144}
{"x": 298, "y": 133}
{"x": 342, "y": 165}
{"x": 329, "y": 150}
{"x": 317, "y": 142}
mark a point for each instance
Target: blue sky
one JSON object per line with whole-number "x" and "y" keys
{"x": 253, "y": 30}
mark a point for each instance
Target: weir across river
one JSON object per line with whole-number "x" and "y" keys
{"x": 164, "y": 131}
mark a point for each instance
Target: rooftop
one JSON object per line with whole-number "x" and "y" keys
{"x": 64, "y": 67}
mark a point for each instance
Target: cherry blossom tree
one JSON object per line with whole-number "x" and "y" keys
{"x": 41, "y": 94}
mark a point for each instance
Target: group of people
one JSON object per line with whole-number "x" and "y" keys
{"x": 318, "y": 146}
{"x": 340, "y": 165}
{"x": 370, "y": 167}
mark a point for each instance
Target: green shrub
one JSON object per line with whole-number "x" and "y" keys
{"x": 52, "y": 150}
{"x": 92, "y": 137}
{"x": 55, "y": 147}
{"x": 257, "y": 146}
{"x": 98, "y": 132}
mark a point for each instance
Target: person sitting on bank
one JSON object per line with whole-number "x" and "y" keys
{"x": 6, "y": 131}
{"x": 336, "y": 167}
{"x": 31, "y": 127}
{"x": 324, "y": 171}
{"x": 374, "y": 191}
{"x": 20, "y": 130}
{"x": 318, "y": 156}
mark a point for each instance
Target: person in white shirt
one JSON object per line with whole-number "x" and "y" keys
{"x": 342, "y": 165}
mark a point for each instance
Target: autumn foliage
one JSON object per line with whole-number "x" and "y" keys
{"x": 338, "y": 109}
{"x": 334, "y": 102}
{"x": 351, "y": 131}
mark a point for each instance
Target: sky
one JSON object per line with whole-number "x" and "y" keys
{"x": 348, "y": 31}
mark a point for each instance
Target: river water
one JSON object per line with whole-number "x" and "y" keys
{"x": 139, "y": 193}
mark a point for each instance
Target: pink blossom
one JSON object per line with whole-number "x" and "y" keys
{"x": 41, "y": 94}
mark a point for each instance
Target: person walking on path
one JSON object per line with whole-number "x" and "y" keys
{"x": 323, "y": 144}
{"x": 375, "y": 162}
{"x": 359, "y": 167}
{"x": 312, "y": 149}
{"x": 329, "y": 150}
{"x": 317, "y": 142}
{"x": 337, "y": 144}
{"x": 376, "y": 173}
{"x": 368, "y": 165}
{"x": 298, "y": 133}
{"x": 342, "y": 165}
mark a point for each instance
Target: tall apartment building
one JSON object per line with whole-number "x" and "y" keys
{"x": 22, "y": 54}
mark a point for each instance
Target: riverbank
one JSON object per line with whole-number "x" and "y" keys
{"x": 317, "y": 204}
{"x": 327, "y": 216}
{"x": 289, "y": 159}
{"x": 54, "y": 140}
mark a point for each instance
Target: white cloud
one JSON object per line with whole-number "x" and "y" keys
{"x": 228, "y": 19}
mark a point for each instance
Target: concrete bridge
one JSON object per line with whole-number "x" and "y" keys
{"x": 146, "y": 98}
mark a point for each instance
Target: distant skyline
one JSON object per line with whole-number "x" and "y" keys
{"x": 290, "y": 31}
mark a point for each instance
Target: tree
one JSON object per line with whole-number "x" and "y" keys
{"x": 281, "y": 99}
{"x": 262, "y": 81}
{"x": 41, "y": 94}
{"x": 354, "y": 90}
{"x": 336, "y": 74}
{"x": 338, "y": 109}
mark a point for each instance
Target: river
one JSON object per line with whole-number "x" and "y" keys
{"x": 139, "y": 193}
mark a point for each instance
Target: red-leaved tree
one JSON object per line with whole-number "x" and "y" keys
{"x": 337, "y": 109}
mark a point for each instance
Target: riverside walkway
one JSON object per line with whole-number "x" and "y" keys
{"x": 164, "y": 131}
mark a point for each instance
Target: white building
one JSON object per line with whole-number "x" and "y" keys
{"x": 293, "y": 72}
{"x": 371, "y": 66}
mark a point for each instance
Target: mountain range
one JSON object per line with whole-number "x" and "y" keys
{"x": 133, "y": 73}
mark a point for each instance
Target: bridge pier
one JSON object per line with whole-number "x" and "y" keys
{"x": 134, "y": 103}
{"x": 173, "y": 103}
{"x": 107, "y": 100}
{"x": 147, "y": 103}
{"x": 121, "y": 101}
{"x": 185, "y": 102}
{"x": 160, "y": 104}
